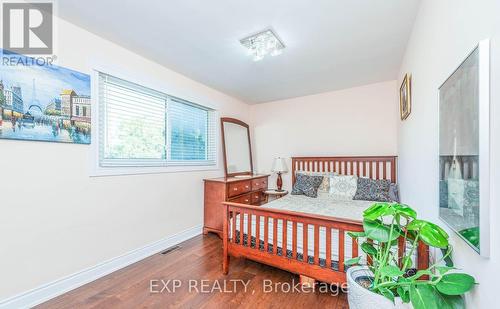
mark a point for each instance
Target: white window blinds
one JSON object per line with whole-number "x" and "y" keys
{"x": 192, "y": 133}
{"x": 139, "y": 126}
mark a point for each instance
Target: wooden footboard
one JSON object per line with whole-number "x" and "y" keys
{"x": 246, "y": 242}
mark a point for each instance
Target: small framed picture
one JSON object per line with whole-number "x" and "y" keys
{"x": 405, "y": 97}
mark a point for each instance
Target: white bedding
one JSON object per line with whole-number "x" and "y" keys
{"x": 325, "y": 205}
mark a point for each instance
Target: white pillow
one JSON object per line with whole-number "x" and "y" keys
{"x": 325, "y": 184}
{"x": 343, "y": 187}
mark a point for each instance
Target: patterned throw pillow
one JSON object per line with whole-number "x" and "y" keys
{"x": 462, "y": 194}
{"x": 394, "y": 192}
{"x": 307, "y": 185}
{"x": 373, "y": 190}
{"x": 343, "y": 187}
{"x": 443, "y": 194}
{"x": 325, "y": 184}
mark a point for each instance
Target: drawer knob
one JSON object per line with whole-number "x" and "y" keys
{"x": 247, "y": 186}
{"x": 246, "y": 200}
{"x": 235, "y": 189}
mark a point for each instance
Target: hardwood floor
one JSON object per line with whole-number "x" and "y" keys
{"x": 140, "y": 286}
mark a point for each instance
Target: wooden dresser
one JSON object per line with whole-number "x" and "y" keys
{"x": 248, "y": 190}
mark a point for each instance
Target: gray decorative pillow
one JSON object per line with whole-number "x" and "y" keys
{"x": 443, "y": 194}
{"x": 373, "y": 190}
{"x": 325, "y": 185}
{"x": 307, "y": 185}
{"x": 394, "y": 192}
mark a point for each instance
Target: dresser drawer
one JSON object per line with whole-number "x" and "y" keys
{"x": 244, "y": 199}
{"x": 259, "y": 183}
{"x": 240, "y": 187}
{"x": 256, "y": 197}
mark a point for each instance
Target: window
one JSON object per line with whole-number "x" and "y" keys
{"x": 139, "y": 126}
{"x": 192, "y": 133}
{"x": 84, "y": 111}
{"x": 77, "y": 110}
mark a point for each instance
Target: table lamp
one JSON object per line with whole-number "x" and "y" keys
{"x": 279, "y": 166}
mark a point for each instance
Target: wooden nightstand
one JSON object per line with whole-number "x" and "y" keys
{"x": 274, "y": 195}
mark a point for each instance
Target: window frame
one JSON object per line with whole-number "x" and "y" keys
{"x": 149, "y": 167}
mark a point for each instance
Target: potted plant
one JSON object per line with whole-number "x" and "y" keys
{"x": 390, "y": 281}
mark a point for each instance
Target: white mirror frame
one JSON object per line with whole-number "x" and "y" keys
{"x": 484, "y": 147}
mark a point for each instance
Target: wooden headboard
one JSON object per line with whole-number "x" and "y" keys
{"x": 468, "y": 166}
{"x": 373, "y": 167}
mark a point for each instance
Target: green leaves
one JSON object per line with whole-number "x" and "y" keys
{"x": 421, "y": 273}
{"x": 430, "y": 233}
{"x": 404, "y": 293}
{"x": 391, "y": 271}
{"x": 375, "y": 230}
{"x": 443, "y": 269}
{"x": 415, "y": 225}
{"x": 356, "y": 234}
{"x": 446, "y": 255}
{"x": 383, "y": 225}
{"x": 407, "y": 261}
{"x": 368, "y": 248}
{"x": 352, "y": 261}
{"x": 433, "y": 235}
{"x": 455, "y": 284}
{"x": 424, "y": 296}
{"x": 405, "y": 211}
{"x": 471, "y": 235}
{"x": 378, "y": 210}
{"x": 387, "y": 293}
{"x": 451, "y": 302}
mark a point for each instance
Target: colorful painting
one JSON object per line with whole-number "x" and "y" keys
{"x": 44, "y": 102}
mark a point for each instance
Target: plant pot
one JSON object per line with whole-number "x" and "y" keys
{"x": 361, "y": 298}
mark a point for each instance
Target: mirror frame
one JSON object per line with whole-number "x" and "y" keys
{"x": 243, "y": 124}
{"x": 484, "y": 167}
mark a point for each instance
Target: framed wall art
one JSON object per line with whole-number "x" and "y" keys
{"x": 44, "y": 102}
{"x": 405, "y": 97}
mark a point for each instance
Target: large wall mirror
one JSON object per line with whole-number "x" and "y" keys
{"x": 236, "y": 147}
{"x": 464, "y": 150}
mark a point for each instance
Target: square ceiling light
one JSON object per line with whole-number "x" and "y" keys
{"x": 262, "y": 44}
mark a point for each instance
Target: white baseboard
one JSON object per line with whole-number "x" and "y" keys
{"x": 50, "y": 290}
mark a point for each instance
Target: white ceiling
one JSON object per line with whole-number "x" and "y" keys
{"x": 330, "y": 44}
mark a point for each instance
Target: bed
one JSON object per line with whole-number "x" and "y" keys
{"x": 258, "y": 232}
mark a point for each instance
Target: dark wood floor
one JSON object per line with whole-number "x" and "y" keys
{"x": 197, "y": 259}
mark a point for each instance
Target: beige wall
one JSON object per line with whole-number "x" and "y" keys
{"x": 55, "y": 220}
{"x": 355, "y": 121}
{"x": 444, "y": 33}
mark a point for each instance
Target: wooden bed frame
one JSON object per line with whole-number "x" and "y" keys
{"x": 373, "y": 167}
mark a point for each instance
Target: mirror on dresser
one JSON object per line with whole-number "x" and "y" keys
{"x": 239, "y": 184}
{"x": 236, "y": 147}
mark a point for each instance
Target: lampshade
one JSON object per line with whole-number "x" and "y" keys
{"x": 279, "y": 165}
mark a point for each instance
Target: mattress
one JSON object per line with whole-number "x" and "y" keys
{"x": 324, "y": 205}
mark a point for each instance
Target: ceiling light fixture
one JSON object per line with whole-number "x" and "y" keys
{"x": 262, "y": 44}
